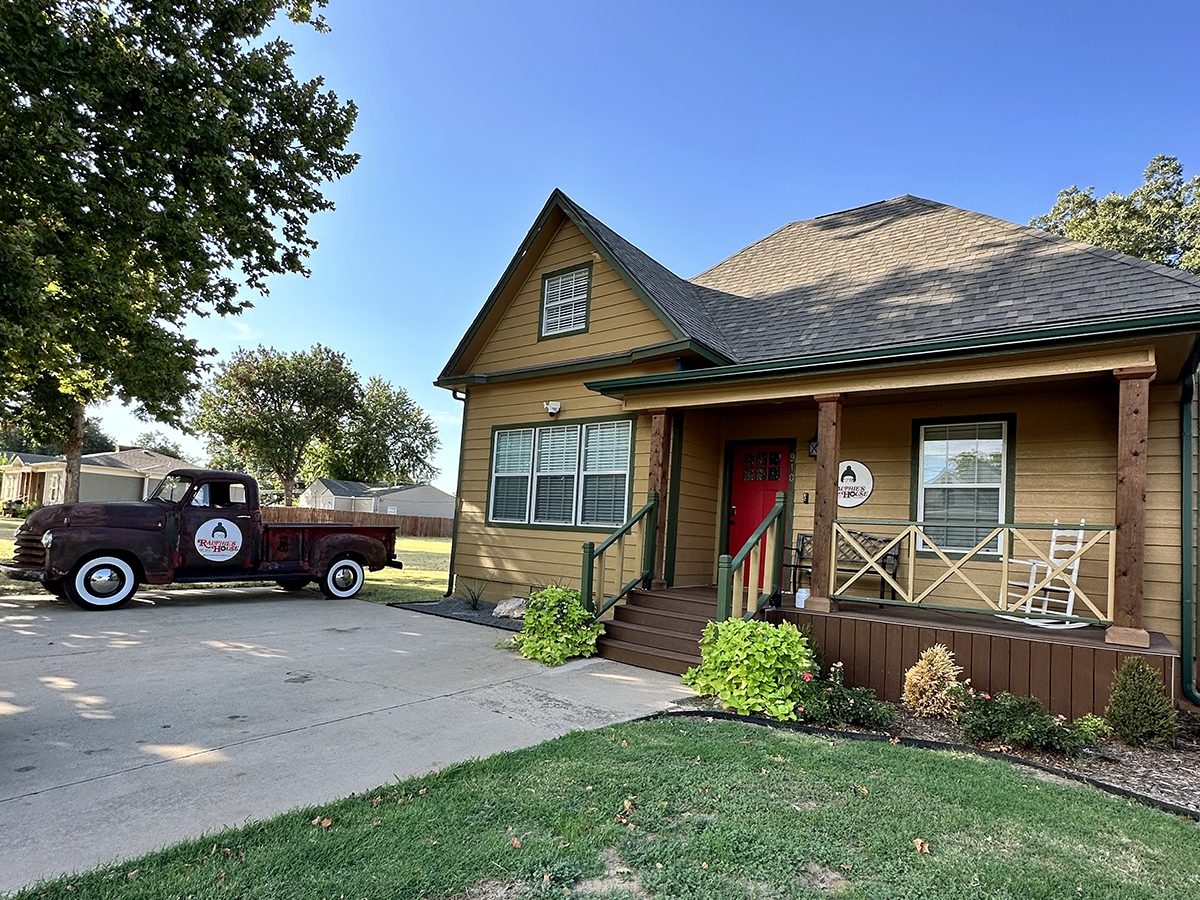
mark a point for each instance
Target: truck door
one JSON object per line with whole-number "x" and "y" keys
{"x": 218, "y": 531}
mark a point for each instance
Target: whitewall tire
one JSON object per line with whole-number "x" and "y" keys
{"x": 344, "y": 578}
{"x": 101, "y": 582}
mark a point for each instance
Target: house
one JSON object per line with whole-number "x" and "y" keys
{"x": 421, "y": 500}
{"x": 129, "y": 474}
{"x": 923, "y": 389}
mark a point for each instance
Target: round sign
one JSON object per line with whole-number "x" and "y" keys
{"x": 854, "y": 483}
{"x": 218, "y": 540}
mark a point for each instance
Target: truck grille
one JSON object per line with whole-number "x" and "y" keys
{"x": 29, "y": 553}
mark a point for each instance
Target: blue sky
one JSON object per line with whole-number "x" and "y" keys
{"x": 693, "y": 129}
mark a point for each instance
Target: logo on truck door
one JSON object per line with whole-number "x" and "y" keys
{"x": 218, "y": 540}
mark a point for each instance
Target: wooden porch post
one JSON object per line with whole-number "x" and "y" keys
{"x": 829, "y": 441}
{"x": 660, "y": 455}
{"x": 1132, "y": 432}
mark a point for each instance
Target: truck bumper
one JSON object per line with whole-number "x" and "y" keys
{"x": 22, "y": 574}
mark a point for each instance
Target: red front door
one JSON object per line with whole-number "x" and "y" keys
{"x": 758, "y": 472}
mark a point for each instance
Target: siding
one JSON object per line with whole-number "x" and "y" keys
{"x": 618, "y": 319}
{"x": 698, "y": 523}
{"x": 94, "y": 487}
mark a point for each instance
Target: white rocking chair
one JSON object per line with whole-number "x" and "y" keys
{"x": 1056, "y": 596}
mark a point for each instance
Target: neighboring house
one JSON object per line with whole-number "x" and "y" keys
{"x": 948, "y": 382}
{"x": 397, "y": 500}
{"x": 130, "y": 474}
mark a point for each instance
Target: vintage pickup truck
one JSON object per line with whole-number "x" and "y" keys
{"x": 199, "y": 525}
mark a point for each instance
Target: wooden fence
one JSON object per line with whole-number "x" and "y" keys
{"x": 411, "y": 526}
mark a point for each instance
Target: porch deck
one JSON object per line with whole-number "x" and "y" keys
{"x": 1069, "y": 671}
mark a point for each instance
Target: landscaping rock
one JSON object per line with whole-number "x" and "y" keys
{"x": 511, "y": 609}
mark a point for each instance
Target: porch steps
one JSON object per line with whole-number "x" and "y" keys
{"x": 659, "y": 630}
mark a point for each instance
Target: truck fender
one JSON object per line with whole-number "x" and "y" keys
{"x": 148, "y": 551}
{"x": 328, "y": 548}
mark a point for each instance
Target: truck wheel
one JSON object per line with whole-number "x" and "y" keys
{"x": 292, "y": 584}
{"x": 344, "y": 578}
{"x": 102, "y": 582}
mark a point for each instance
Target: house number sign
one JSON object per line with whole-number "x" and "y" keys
{"x": 854, "y": 483}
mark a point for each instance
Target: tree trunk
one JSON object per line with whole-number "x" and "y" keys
{"x": 288, "y": 485}
{"x": 73, "y": 451}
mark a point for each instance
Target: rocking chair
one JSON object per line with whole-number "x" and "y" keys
{"x": 1056, "y": 596}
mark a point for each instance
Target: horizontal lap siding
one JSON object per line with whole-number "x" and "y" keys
{"x": 1162, "y": 574}
{"x": 697, "y": 524}
{"x": 618, "y": 320}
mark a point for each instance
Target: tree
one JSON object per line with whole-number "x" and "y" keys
{"x": 160, "y": 443}
{"x": 387, "y": 438}
{"x": 15, "y": 439}
{"x": 1159, "y": 221}
{"x": 268, "y": 407}
{"x": 157, "y": 156}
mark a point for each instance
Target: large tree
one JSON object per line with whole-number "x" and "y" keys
{"x": 388, "y": 438}
{"x": 268, "y": 407}
{"x": 15, "y": 439}
{"x": 1159, "y": 221}
{"x": 158, "y": 155}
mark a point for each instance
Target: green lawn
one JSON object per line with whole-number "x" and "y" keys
{"x": 688, "y": 808}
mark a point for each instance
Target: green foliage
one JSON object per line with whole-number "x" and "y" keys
{"x": 1020, "y": 721}
{"x": 160, "y": 443}
{"x": 1138, "y": 710}
{"x": 931, "y": 687}
{"x": 557, "y": 627}
{"x": 268, "y": 406}
{"x": 753, "y": 667}
{"x": 385, "y": 439}
{"x": 157, "y": 156}
{"x": 16, "y": 439}
{"x": 472, "y": 592}
{"x": 1092, "y": 728}
{"x": 831, "y": 704}
{"x": 1159, "y": 221}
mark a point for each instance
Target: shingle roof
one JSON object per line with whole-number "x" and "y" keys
{"x": 30, "y": 458}
{"x": 910, "y": 271}
{"x": 341, "y": 488}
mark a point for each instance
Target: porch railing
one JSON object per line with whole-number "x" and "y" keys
{"x": 594, "y": 577}
{"x": 920, "y": 554}
{"x": 730, "y": 576}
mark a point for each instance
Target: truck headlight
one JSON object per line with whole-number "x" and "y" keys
{"x": 47, "y": 539}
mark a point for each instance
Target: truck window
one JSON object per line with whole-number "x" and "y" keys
{"x": 220, "y": 494}
{"x": 172, "y": 489}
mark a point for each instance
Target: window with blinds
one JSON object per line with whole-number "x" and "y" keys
{"x": 565, "y": 298}
{"x": 962, "y": 489}
{"x": 562, "y": 474}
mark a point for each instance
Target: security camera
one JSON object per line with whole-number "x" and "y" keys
{"x": 552, "y": 407}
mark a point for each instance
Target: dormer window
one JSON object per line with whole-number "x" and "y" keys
{"x": 565, "y": 298}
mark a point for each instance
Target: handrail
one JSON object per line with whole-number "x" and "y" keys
{"x": 592, "y": 587}
{"x": 729, "y": 568}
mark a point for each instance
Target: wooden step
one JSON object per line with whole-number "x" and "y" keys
{"x": 653, "y": 637}
{"x": 646, "y": 657}
{"x": 692, "y": 605}
{"x": 683, "y": 623}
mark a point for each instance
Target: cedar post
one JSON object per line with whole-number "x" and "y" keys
{"x": 829, "y": 441}
{"x": 1132, "y": 433}
{"x": 660, "y": 454}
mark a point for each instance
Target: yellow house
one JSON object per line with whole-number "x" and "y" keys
{"x": 899, "y": 424}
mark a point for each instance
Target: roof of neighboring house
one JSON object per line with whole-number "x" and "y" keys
{"x": 30, "y": 458}
{"x": 347, "y": 488}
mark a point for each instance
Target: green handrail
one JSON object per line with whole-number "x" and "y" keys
{"x": 591, "y": 553}
{"x": 727, "y": 565}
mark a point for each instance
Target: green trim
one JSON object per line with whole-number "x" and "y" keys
{"x": 632, "y": 418}
{"x": 587, "y": 309}
{"x": 462, "y": 446}
{"x": 673, "y": 487}
{"x": 1010, "y": 471}
{"x": 727, "y": 486}
{"x": 624, "y": 358}
{"x": 1187, "y": 549}
{"x": 1018, "y": 342}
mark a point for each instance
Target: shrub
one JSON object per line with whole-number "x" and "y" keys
{"x": 1138, "y": 710}
{"x": 1092, "y": 728}
{"x": 820, "y": 665}
{"x": 1020, "y": 721}
{"x": 557, "y": 627}
{"x": 753, "y": 667}
{"x": 830, "y": 704}
{"x": 931, "y": 687}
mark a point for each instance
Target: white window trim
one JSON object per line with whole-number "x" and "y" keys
{"x": 572, "y": 301}
{"x": 1003, "y": 484}
{"x": 578, "y": 474}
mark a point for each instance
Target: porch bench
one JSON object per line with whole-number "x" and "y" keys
{"x": 849, "y": 559}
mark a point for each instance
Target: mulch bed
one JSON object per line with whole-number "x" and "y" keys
{"x": 460, "y": 608}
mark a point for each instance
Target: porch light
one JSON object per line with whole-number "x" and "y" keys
{"x": 812, "y": 446}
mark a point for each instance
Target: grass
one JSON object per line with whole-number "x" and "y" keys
{"x": 423, "y": 578}
{"x": 686, "y": 808}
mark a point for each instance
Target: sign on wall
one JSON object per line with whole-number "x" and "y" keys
{"x": 854, "y": 483}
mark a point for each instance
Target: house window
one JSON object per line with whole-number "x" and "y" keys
{"x": 562, "y": 474}
{"x": 565, "y": 297}
{"x": 962, "y": 490}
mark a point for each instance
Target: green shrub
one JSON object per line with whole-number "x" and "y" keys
{"x": 830, "y": 704}
{"x": 1019, "y": 721}
{"x": 1138, "y": 710}
{"x": 753, "y": 667}
{"x": 1092, "y": 728}
{"x": 820, "y": 665}
{"x": 557, "y": 627}
{"x": 931, "y": 687}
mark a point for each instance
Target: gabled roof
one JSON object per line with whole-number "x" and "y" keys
{"x": 31, "y": 458}
{"x": 341, "y": 488}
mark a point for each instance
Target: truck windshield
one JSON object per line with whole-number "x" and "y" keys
{"x": 171, "y": 489}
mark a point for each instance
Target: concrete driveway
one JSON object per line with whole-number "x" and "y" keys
{"x": 189, "y": 711}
